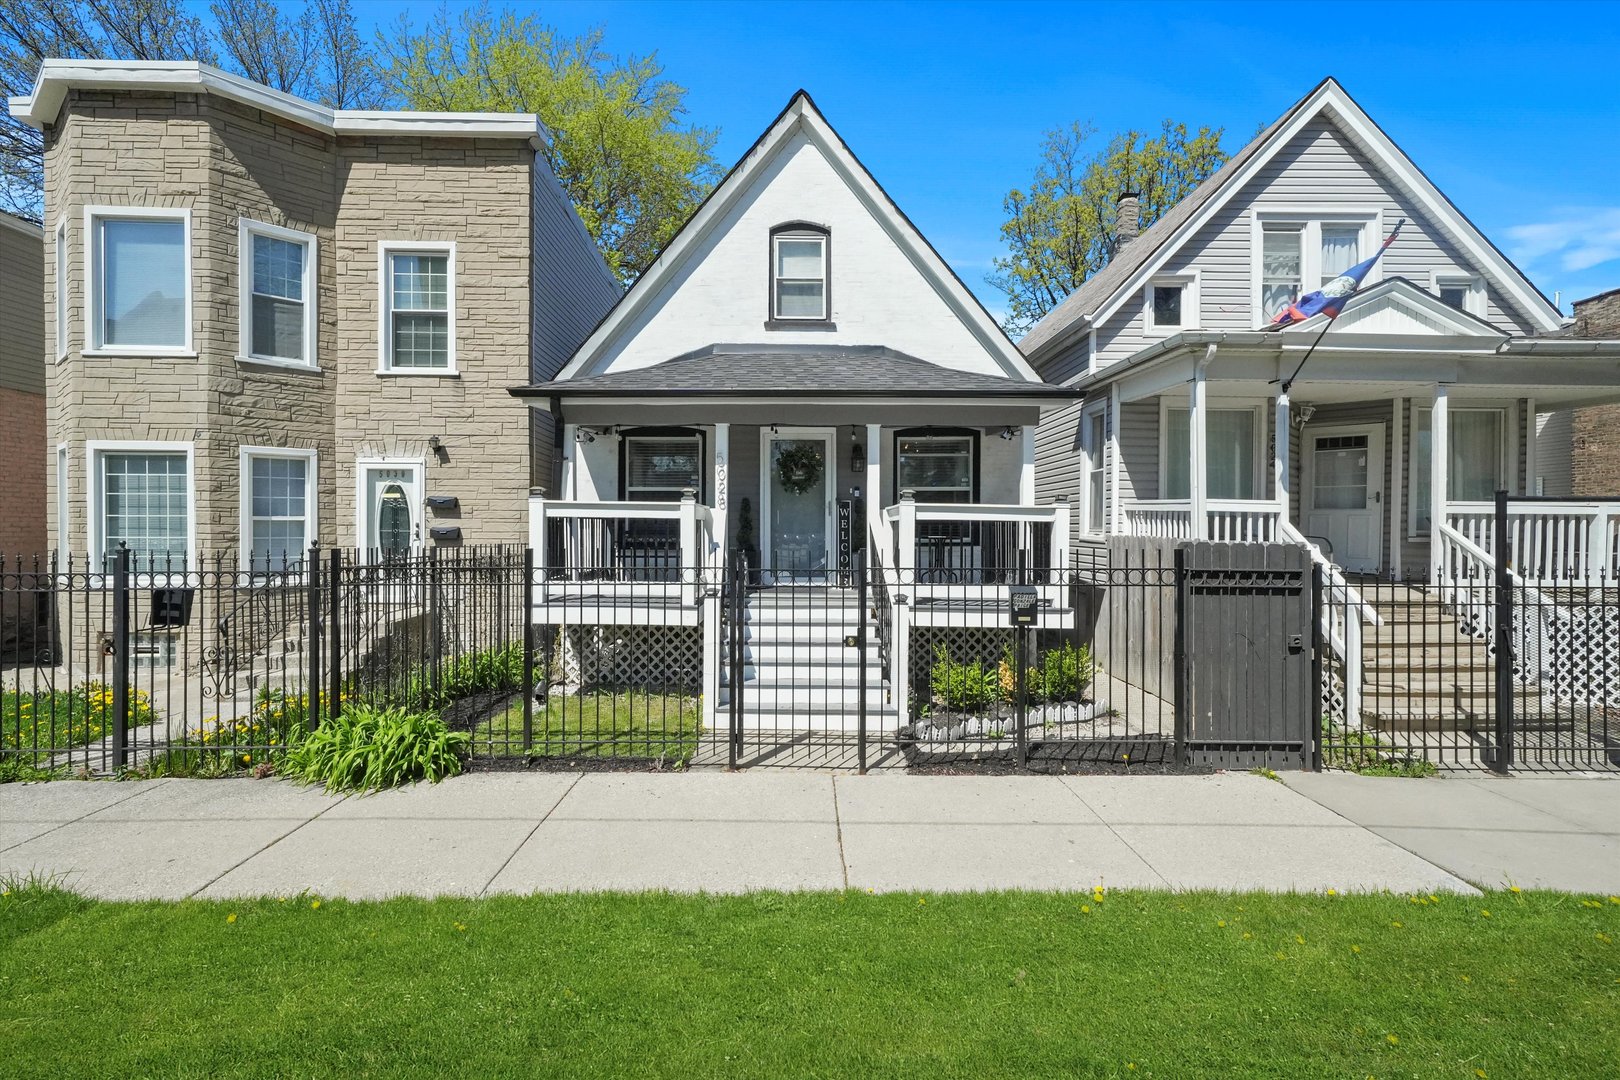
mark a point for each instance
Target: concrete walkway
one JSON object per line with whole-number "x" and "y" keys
{"x": 721, "y": 832}
{"x": 1536, "y": 832}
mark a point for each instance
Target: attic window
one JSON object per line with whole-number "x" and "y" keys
{"x": 1463, "y": 292}
{"x": 1171, "y": 304}
{"x": 799, "y": 274}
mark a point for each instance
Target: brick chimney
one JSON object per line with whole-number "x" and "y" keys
{"x": 1127, "y": 218}
{"x": 1598, "y": 316}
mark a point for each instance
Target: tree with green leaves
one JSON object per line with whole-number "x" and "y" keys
{"x": 31, "y": 31}
{"x": 633, "y": 168}
{"x": 1061, "y": 230}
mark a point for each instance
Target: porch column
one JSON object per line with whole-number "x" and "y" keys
{"x": 875, "y": 486}
{"x": 1439, "y": 460}
{"x": 1115, "y": 504}
{"x": 1198, "y": 470}
{"x": 722, "y": 495}
{"x": 570, "y": 462}
{"x": 1397, "y": 494}
{"x": 1026, "y": 466}
{"x": 1531, "y": 437}
{"x": 1279, "y": 437}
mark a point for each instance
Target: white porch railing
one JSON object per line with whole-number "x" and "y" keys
{"x": 952, "y": 543}
{"x": 645, "y": 549}
{"x": 1230, "y": 520}
{"x": 1554, "y": 544}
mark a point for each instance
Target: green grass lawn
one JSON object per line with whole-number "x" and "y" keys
{"x": 627, "y": 723}
{"x": 836, "y": 985}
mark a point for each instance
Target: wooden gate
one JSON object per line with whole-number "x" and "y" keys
{"x": 1245, "y": 655}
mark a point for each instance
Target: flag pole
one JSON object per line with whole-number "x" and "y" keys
{"x": 1290, "y": 380}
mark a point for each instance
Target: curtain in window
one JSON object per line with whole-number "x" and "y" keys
{"x": 1280, "y": 269}
{"x": 143, "y": 282}
{"x": 1341, "y": 249}
{"x": 1474, "y": 467}
{"x": 1230, "y": 448}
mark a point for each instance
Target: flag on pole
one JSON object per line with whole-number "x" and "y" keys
{"x": 1331, "y": 297}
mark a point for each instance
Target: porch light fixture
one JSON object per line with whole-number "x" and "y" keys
{"x": 857, "y": 458}
{"x": 584, "y": 435}
{"x": 1011, "y": 433}
{"x": 1303, "y": 414}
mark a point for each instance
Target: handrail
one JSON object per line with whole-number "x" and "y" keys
{"x": 1337, "y": 583}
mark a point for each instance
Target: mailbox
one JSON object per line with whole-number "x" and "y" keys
{"x": 171, "y": 608}
{"x": 1023, "y": 604}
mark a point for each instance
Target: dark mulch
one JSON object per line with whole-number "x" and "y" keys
{"x": 519, "y": 763}
{"x": 1103, "y": 757}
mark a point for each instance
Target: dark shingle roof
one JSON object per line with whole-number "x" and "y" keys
{"x": 1081, "y": 304}
{"x": 832, "y": 371}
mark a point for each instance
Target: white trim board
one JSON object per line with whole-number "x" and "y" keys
{"x": 244, "y": 457}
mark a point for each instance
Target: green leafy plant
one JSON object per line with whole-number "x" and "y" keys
{"x": 1059, "y": 674}
{"x": 56, "y": 719}
{"x": 368, "y": 748}
{"x": 486, "y": 671}
{"x": 961, "y": 687}
{"x": 1364, "y": 753}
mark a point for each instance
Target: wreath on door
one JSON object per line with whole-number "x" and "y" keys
{"x": 799, "y": 467}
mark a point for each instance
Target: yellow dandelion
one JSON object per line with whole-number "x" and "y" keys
{"x": 1466, "y": 979}
{"x": 1299, "y": 940}
{"x": 231, "y": 917}
{"x": 1131, "y": 1065}
{"x": 1484, "y": 914}
{"x": 314, "y": 905}
{"x": 1514, "y": 889}
{"x": 1433, "y": 899}
{"x": 921, "y": 901}
{"x": 1614, "y": 899}
{"x": 1395, "y": 925}
{"x": 1480, "y": 1073}
{"x": 1281, "y": 955}
{"x": 1393, "y": 1039}
{"x": 460, "y": 925}
{"x": 1333, "y": 892}
{"x": 1605, "y": 938}
{"x": 1221, "y": 923}
{"x": 1355, "y": 949}
{"x": 1247, "y": 936}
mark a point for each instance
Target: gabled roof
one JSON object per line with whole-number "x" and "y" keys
{"x": 801, "y": 115}
{"x": 1124, "y": 276}
{"x": 1398, "y": 306}
{"x": 778, "y": 371}
{"x": 57, "y": 77}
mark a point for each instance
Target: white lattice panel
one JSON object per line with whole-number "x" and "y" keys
{"x": 641, "y": 656}
{"x": 965, "y": 644}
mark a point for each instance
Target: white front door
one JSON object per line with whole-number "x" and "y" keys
{"x": 1343, "y": 494}
{"x": 798, "y": 475}
{"x": 389, "y": 504}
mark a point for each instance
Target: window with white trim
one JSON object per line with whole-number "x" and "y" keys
{"x": 658, "y": 468}
{"x": 799, "y": 275}
{"x": 1301, "y": 253}
{"x": 1170, "y": 303}
{"x": 141, "y": 498}
{"x": 1232, "y": 453}
{"x": 277, "y": 275}
{"x": 418, "y": 287}
{"x": 1094, "y": 442}
{"x": 1476, "y": 469}
{"x": 1464, "y": 292}
{"x": 61, "y": 297}
{"x": 938, "y": 468}
{"x": 278, "y": 507}
{"x": 139, "y": 279}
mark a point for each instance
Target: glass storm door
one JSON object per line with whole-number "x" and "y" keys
{"x": 390, "y": 497}
{"x": 798, "y": 487}
{"x": 1344, "y": 493}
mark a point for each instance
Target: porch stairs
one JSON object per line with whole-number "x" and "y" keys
{"x": 1420, "y": 670}
{"x": 798, "y": 675}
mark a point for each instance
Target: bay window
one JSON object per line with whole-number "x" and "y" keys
{"x": 276, "y": 277}
{"x": 139, "y": 280}
{"x": 141, "y": 497}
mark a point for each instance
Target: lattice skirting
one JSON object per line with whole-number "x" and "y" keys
{"x": 1334, "y": 703}
{"x": 641, "y": 656}
{"x": 1574, "y": 652}
{"x": 966, "y": 644}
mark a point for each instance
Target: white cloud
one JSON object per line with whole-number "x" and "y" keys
{"x": 1578, "y": 239}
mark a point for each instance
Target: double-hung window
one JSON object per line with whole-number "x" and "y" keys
{"x": 938, "y": 468}
{"x": 799, "y": 274}
{"x": 139, "y": 280}
{"x": 1094, "y": 442}
{"x": 278, "y": 507}
{"x": 1231, "y": 459}
{"x": 277, "y": 276}
{"x": 1299, "y": 255}
{"x": 141, "y": 496}
{"x": 418, "y": 309}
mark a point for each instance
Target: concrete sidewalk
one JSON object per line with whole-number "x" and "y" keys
{"x": 520, "y": 833}
{"x": 1536, "y": 832}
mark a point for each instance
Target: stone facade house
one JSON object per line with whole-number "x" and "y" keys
{"x": 1595, "y": 432}
{"x": 276, "y": 324}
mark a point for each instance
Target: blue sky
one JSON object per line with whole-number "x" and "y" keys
{"x": 1512, "y": 109}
